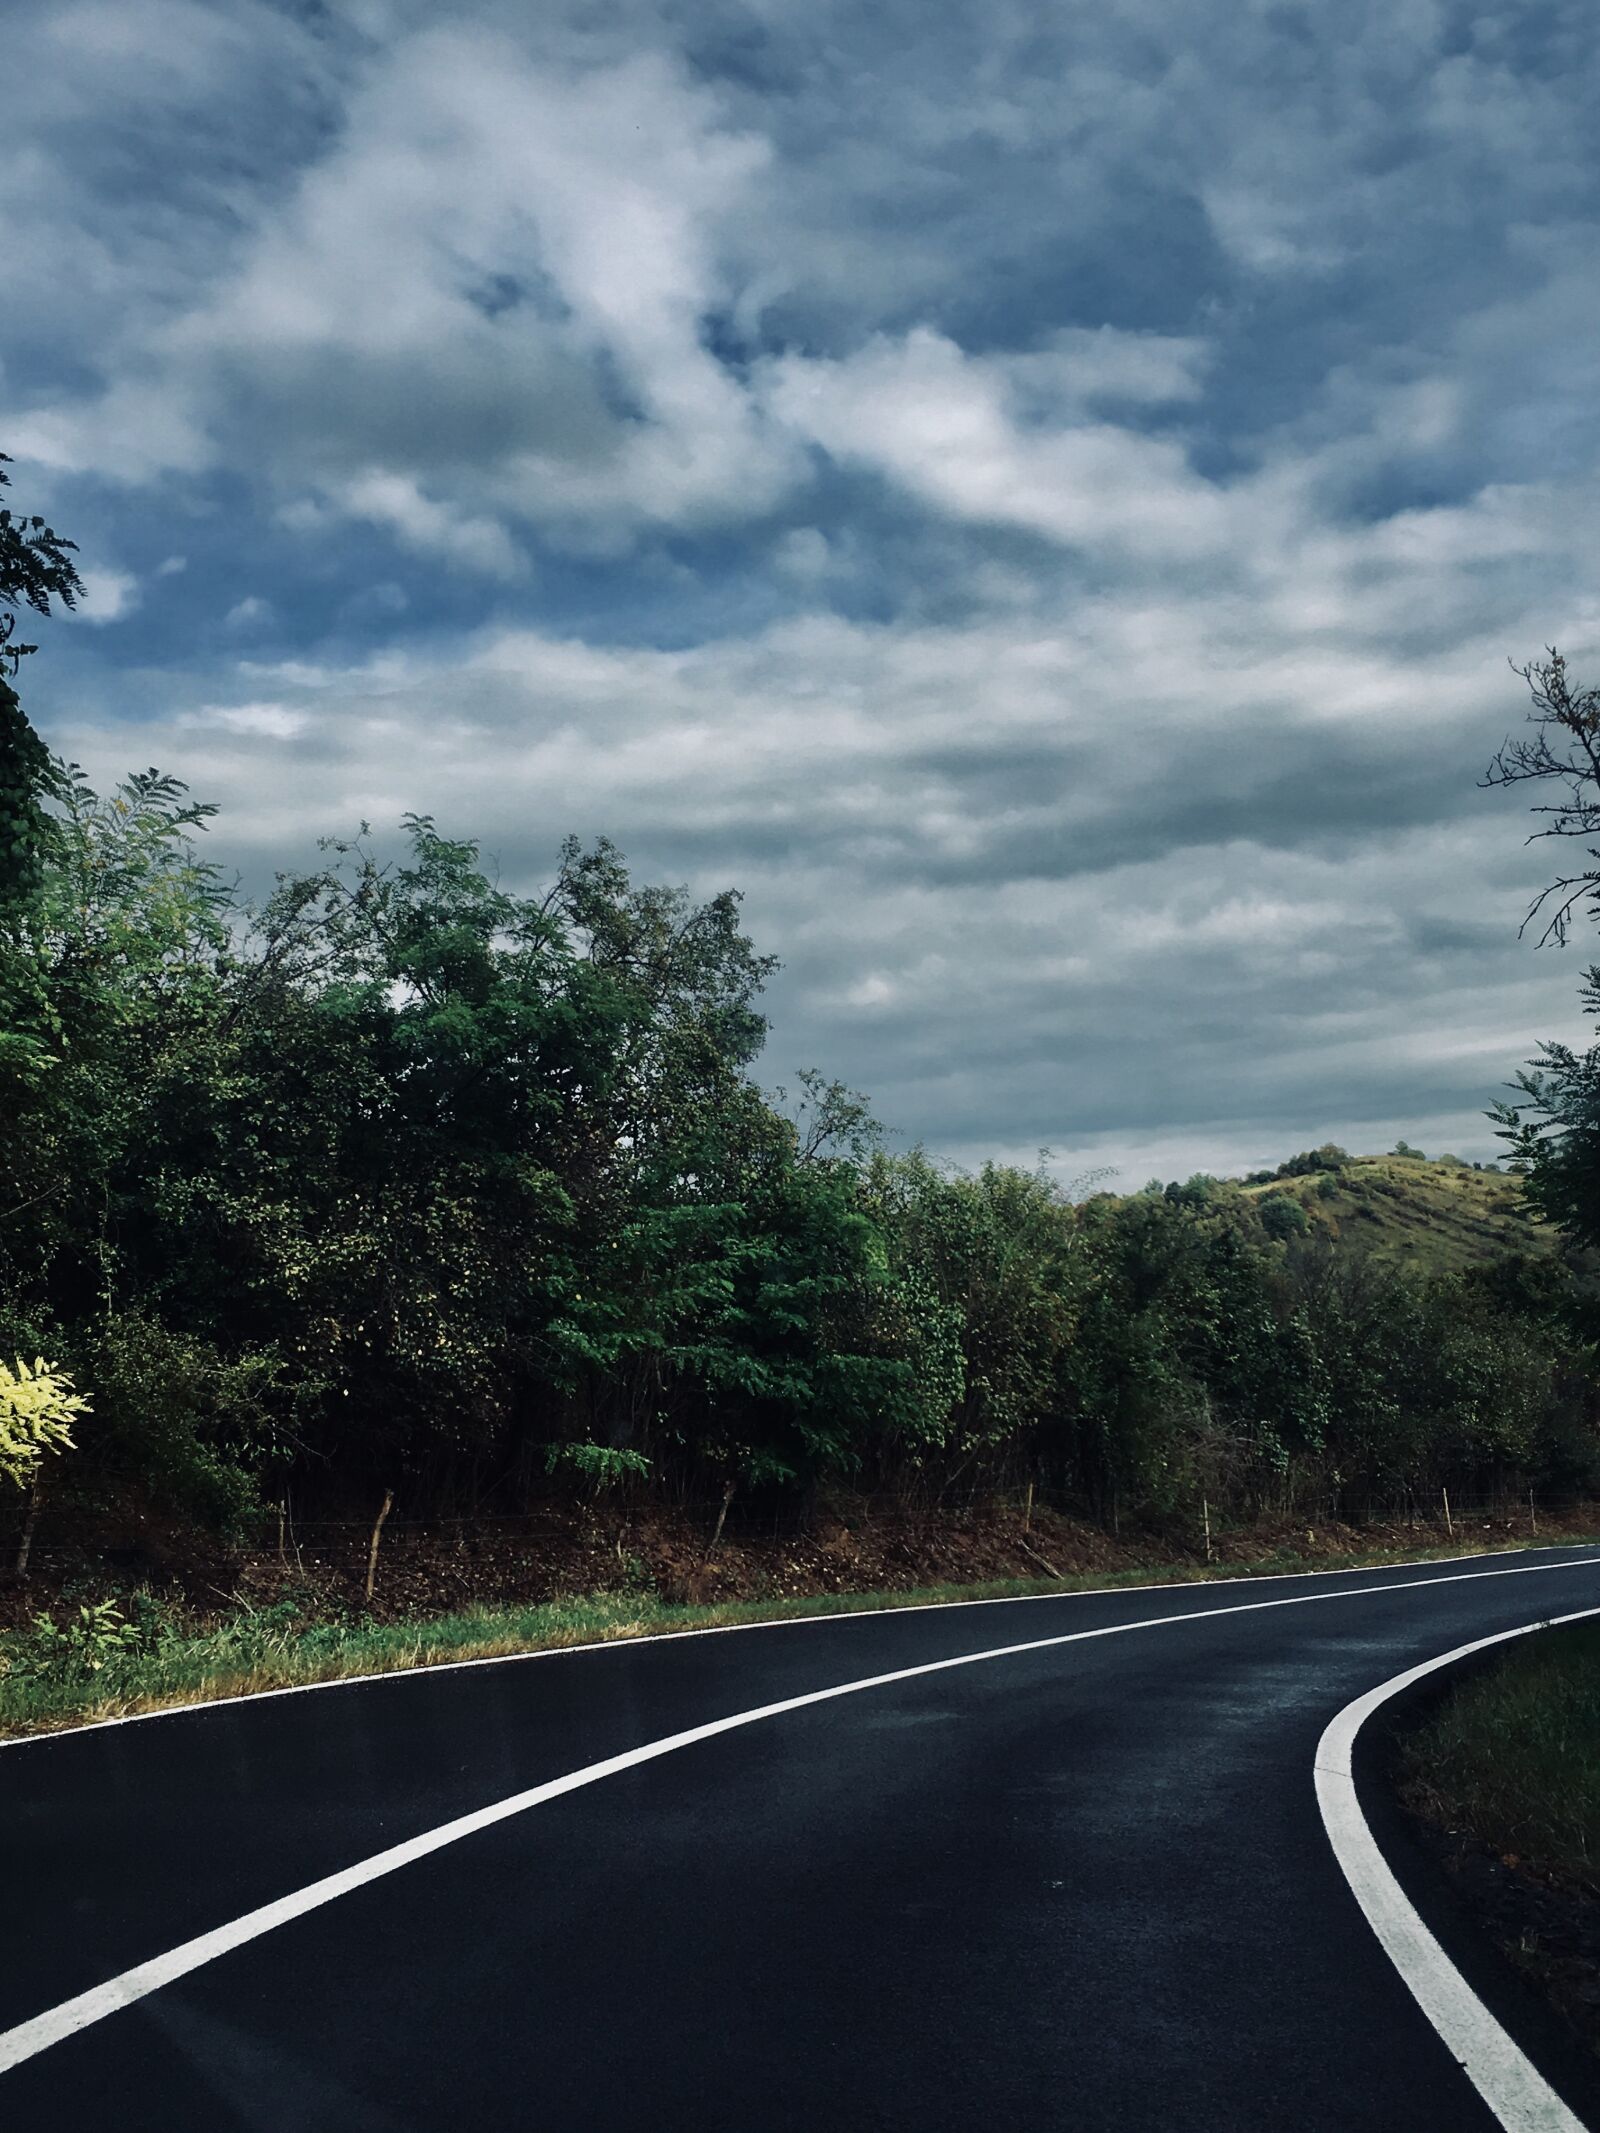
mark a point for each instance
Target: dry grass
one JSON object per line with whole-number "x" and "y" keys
{"x": 1433, "y": 1216}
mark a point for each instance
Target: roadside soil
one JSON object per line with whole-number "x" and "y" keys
{"x": 849, "y": 1545}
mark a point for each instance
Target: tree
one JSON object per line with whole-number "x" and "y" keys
{"x": 831, "y": 1120}
{"x": 1562, "y": 756}
{"x": 1554, "y": 1132}
{"x": 402, "y": 1181}
{"x": 1282, "y": 1216}
{"x": 1330, "y": 1156}
{"x": 36, "y": 567}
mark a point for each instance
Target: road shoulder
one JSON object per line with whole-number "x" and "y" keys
{"x": 1446, "y": 1907}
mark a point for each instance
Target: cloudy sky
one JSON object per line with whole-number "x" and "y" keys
{"x": 1040, "y": 497}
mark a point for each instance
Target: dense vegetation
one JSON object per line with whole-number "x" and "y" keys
{"x": 402, "y": 1182}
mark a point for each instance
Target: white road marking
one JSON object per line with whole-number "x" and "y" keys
{"x": 729, "y": 1629}
{"x": 85, "y": 2008}
{"x": 1503, "y": 2075}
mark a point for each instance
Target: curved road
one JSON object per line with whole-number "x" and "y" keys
{"x": 1084, "y": 1885}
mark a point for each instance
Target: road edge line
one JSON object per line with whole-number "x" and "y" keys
{"x": 26, "y": 2039}
{"x": 1506, "y": 2079}
{"x": 728, "y": 1629}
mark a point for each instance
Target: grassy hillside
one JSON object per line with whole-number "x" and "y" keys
{"x": 1439, "y": 1216}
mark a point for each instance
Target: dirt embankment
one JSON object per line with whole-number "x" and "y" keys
{"x": 849, "y": 1546}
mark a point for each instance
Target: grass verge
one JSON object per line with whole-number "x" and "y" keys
{"x": 1512, "y": 1757}
{"x": 117, "y": 1661}
{"x": 1504, "y": 1778}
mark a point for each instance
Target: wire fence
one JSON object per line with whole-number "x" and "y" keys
{"x": 614, "y": 1521}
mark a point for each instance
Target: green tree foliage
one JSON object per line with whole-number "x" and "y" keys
{"x": 1329, "y": 1157}
{"x": 1554, "y": 1131}
{"x": 1283, "y": 1216}
{"x": 401, "y": 1181}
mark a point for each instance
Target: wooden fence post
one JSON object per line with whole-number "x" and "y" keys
{"x": 372, "y": 1551}
{"x": 1449, "y": 1525}
{"x": 722, "y": 1520}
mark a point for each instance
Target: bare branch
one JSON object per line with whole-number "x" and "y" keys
{"x": 1564, "y": 749}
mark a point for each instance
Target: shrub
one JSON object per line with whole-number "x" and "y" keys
{"x": 85, "y": 1643}
{"x": 184, "y": 1417}
{"x": 1330, "y": 1156}
{"x": 37, "y": 1408}
{"x": 1283, "y": 1216}
{"x": 602, "y": 1465}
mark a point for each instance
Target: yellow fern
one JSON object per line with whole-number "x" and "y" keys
{"x": 37, "y": 1408}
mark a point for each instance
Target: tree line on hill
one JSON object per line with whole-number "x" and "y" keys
{"x": 401, "y": 1181}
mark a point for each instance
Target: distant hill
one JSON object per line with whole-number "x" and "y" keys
{"x": 1439, "y": 1216}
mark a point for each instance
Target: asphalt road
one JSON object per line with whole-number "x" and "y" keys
{"x": 1080, "y": 1887}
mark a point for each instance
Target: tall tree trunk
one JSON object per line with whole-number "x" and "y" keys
{"x": 25, "y": 1545}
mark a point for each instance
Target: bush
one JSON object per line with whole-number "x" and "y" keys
{"x": 37, "y": 1409}
{"x": 1282, "y": 1216}
{"x": 1330, "y": 1156}
{"x": 183, "y": 1418}
{"x": 84, "y": 1643}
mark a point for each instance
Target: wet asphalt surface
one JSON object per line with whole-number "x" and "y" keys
{"x": 1085, "y": 1887}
